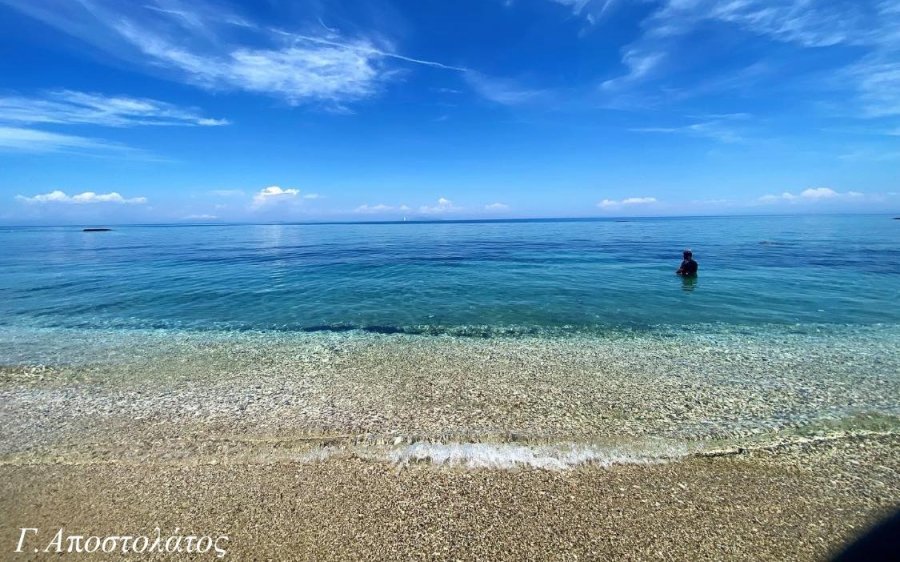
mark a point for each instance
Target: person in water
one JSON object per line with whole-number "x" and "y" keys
{"x": 688, "y": 266}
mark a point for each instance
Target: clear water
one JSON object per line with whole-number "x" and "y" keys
{"x": 434, "y": 277}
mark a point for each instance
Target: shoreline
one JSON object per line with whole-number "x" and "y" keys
{"x": 803, "y": 503}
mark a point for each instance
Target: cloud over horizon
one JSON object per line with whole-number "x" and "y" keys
{"x": 627, "y": 202}
{"x": 272, "y": 194}
{"x": 811, "y": 194}
{"x": 366, "y": 209}
{"x": 84, "y": 198}
{"x": 443, "y": 206}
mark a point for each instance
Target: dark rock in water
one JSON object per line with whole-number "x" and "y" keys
{"x": 95, "y": 229}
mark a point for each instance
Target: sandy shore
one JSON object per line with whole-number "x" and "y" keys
{"x": 397, "y": 447}
{"x": 800, "y": 503}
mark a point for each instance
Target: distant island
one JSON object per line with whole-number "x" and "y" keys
{"x": 95, "y": 229}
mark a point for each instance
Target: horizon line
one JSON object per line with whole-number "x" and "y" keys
{"x": 624, "y": 218}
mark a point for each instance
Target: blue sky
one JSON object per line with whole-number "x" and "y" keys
{"x": 174, "y": 111}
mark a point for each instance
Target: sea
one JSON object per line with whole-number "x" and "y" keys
{"x": 468, "y": 278}
{"x": 465, "y": 332}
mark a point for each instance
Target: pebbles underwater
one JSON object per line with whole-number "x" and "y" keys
{"x": 551, "y": 402}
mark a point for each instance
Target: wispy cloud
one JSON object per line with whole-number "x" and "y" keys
{"x": 871, "y": 154}
{"x": 227, "y": 192}
{"x": 496, "y": 207}
{"x": 68, "y": 107}
{"x": 85, "y": 198}
{"x": 723, "y": 128}
{"x": 662, "y": 51}
{"x": 333, "y": 39}
{"x": 627, "y": 202}
{"x": 195, "y": 43}
{"x": 808, "y": 23}
{"x": 33, "y": 140}
{"x": 877, "y": 80}
{"x": 302, "y": 72}
{"x": 502, "y": 90}
{"x": 639, "y": 63}
{"x": 591, "y": 10}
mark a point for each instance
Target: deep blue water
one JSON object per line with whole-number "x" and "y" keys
{"x": 531, "y": 275}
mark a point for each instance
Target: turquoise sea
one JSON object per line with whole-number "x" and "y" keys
{"x": 468, "y": 278}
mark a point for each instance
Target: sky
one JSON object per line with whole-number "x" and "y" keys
{"x": 169, "y": 111}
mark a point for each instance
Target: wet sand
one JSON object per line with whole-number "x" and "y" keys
{"x": 801, "y": 503}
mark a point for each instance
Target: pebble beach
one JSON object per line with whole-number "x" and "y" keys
{"x": 777, "y": 445}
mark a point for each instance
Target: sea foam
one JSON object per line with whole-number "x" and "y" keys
{"x": 552, "y": 457}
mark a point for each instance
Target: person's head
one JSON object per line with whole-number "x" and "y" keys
{"x": 688, "y": 254}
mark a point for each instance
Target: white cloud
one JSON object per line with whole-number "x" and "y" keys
{"x": 443, "y": 206}
{"x": 810, "y": 195}
{"x": 786, "y": 196}
{"x": 33, "y": 140}
{"x": 208, "y": 122}
{"x": 80, "y": 108}
{"x": 87, "y": 197}
{"x": 819, "y": 193}
{"x": 200, "y": 217}
{"x": 366, "y": 209}
{"x": 312, "y": 196}
{"x": 496, "y": 207}
{"x": 274, "y": 193}
{"x": 297, "y": 74}
{"x": 628, "y": 201}
{"x": 638, "y": 200}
